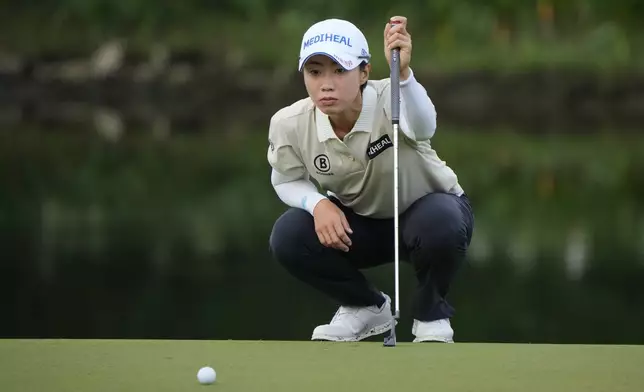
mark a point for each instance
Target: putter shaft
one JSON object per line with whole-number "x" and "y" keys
{"x": 390, "y": 339}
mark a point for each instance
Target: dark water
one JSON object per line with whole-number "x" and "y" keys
{"x": 139, "y": 235}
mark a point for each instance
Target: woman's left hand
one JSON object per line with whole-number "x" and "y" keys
{"x": 397, "y": 36}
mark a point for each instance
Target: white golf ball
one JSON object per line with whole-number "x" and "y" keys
{"x": 206, "y": 375}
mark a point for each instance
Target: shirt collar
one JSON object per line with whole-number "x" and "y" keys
{"x": 364, "y": 123}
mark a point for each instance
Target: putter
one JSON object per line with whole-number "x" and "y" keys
{"x": 390, "y": 339}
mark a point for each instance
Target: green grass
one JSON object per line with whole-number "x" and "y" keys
{"x": 126, "y": 365}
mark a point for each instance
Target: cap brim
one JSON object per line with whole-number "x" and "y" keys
{"x": 346, "y": 61}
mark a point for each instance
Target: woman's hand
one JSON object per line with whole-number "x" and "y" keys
{"x": 331, "y": 226}
{"x": 397, "y": 36}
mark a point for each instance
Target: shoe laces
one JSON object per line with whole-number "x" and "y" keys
{"x": 343, "y": 313}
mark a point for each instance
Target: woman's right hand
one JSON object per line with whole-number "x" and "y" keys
{"x": 331, "y": 226}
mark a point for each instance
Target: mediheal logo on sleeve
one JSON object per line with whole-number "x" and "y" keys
{"x": 380, "y": 145}
{"x": 328, "y": 37}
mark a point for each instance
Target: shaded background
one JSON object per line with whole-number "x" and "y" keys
{"x": 135, "y": 198}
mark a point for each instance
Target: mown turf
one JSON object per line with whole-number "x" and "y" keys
{"x": 125, "y": 365}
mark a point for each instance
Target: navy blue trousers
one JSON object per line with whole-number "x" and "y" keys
{"x": 435, "y": 233}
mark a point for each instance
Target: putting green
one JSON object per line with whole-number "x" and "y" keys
{"x": 172, "y": 365}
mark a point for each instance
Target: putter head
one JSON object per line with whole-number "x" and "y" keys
{"x": 390, "y": 339}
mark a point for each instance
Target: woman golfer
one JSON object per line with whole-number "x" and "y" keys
{"x": 341, "y": 136}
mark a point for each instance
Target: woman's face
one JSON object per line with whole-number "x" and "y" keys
{"x": 332, "y": 88}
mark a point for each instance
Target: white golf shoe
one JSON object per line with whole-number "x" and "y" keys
{"x": 352, "y": 324}
{"x": 433, "y": 331}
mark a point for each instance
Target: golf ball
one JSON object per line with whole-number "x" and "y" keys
{"x": 206, "y": 375}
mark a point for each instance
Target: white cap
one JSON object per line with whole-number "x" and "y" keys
{"x": 338, "y": 39}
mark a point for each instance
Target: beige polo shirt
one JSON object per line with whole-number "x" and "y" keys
{"x": 359, "y": 169}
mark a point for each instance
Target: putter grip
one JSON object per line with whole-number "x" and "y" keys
{"x": 395, "y": 85}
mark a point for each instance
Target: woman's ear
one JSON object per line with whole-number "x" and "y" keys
{"x": 364, "y": 74}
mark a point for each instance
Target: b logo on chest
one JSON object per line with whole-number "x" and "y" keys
{"x": 380, "y": 145}
{"x": 322, "y": 164}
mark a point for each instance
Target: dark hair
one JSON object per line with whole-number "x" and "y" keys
{"x": 363, "y": 65}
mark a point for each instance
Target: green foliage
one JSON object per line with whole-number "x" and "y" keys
{"x": 105, "y": 12}
{"x": 169, "y": 238}
{"x": 206, "y": 185}
{"x": 448, "y": 34}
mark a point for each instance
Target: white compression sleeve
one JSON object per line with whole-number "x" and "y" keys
{"x": 417, "y": 109}
{"x": 299, "y": 193}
